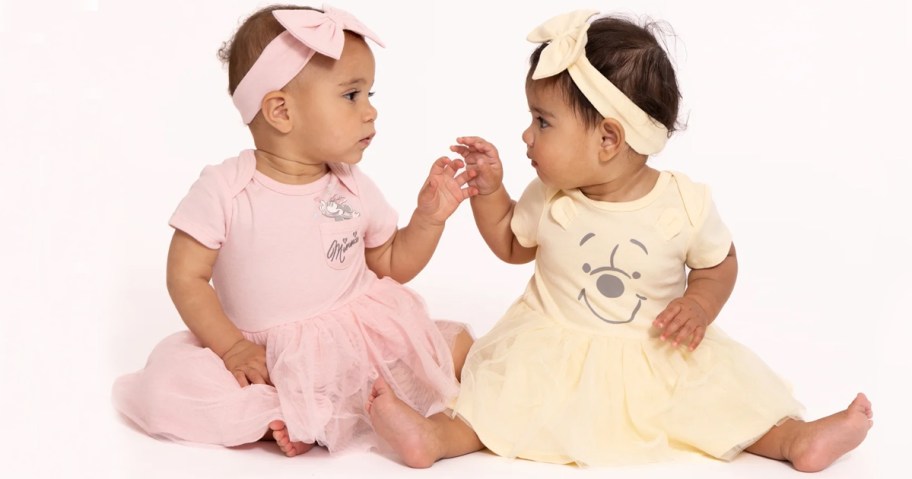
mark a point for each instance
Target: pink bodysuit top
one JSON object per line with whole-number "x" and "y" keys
{"x": 286, "y": 252}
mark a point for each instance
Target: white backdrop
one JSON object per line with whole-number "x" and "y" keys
{"x": 797, "y": 117}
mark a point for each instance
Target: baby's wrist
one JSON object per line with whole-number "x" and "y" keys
{"x": 426, "y": 221}
{"x": 490, "y": 193}
{"x": 231, "y": 347}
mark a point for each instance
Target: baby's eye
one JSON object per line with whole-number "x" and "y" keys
{"x": 353, "y": 95}
{"x": 542, "y": 123}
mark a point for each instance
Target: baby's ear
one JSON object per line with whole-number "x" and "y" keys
{"x": 612, "y": 133}
{"x": 274, "y": 110}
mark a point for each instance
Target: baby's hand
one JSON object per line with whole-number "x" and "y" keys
{"x": 683, "y": 319}
{"x": 443, "y": 190}
{"x": 247, "y": 362}
{"x": 481, "y": 158}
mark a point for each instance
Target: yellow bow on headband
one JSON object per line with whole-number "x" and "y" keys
{"x": 566, "y": 36}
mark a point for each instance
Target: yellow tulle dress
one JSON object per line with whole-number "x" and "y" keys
{"x": 574, "y": 372}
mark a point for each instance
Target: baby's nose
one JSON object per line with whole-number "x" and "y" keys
{"x": 527, "y": 138}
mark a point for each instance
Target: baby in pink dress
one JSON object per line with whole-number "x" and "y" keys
{"x": 305, "y": 310}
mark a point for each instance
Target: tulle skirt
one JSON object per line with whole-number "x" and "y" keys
{"x": 322, "y": 369}
{"x": 534, "y": 389}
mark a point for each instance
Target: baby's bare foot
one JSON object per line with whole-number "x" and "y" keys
{"x": 825, "y": 440}
{"x": 280, "y": 434}
{"x": 410, "y": 434}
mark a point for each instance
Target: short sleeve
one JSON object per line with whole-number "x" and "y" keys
{"x": 204, "y": 212}
{"x": 528, "y": 212}
{"x": 380, "y": 219}
{"x": 712, "y": 240}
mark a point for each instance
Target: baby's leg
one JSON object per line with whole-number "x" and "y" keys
{"x": 279, "y": 433}
{"x": 813, "y": 446}
{"x": 418, "y": 440}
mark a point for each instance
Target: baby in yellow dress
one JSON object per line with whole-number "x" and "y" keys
{"x": 610, "y": 355}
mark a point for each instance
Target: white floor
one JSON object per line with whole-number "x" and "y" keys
{"x": 142, "y": 457}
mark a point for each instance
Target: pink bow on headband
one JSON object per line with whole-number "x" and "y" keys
{"x": 323, "y": 32}
{"x": 307, "y": 32}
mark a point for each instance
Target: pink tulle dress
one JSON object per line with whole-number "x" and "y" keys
{"x": 291, "y": 276}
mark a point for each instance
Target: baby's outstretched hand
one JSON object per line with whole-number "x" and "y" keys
{"x": 481, "y": 158}
{"x": 247, "y": 362}
{"x": 443, "y": 190}
{"x": 682, "y": 320}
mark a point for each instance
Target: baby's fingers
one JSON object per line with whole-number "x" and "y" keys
{"x": 666, "y": 316}
{"x": 256, "y": 377}
{"x": 465, "y": 176}
{"x": 698, "y": 335}
{"x": 470, "y": 140}
{"x": 684, "y": 333}
{"x": 477, "y": 143}
{"x": 460, "y": 150}
{"x": 673, "y": 326}
{"x": 240, "y": 377}
{"x": 440, "y": 165}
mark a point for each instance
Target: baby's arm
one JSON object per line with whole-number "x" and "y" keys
{"x": 189, "y": 271}
{"x": 708, "y": 289}
{"x": 492, "y": 206}
{"x": 410, "y": 248}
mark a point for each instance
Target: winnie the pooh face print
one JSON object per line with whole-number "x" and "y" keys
{"x": 613, "y": 283}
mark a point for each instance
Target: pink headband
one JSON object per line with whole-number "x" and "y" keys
{"x": 307, "y": 32}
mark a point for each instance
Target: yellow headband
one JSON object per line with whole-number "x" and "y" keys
{"x": 566, "y": 50}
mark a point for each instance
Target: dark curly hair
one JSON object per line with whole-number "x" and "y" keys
{"x": 630, "y": 56}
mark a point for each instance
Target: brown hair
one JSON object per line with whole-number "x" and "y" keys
{"x": 630, "y": 57}
{"x": 250, "y": 40}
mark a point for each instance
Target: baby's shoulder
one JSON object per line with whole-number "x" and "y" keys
{"x": 231, "y": 175}
{"x": 694, "y": 196}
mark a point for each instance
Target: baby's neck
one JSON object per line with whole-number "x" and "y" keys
{"x": 289, "y": 170}
{"x": 631, "y": 185}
